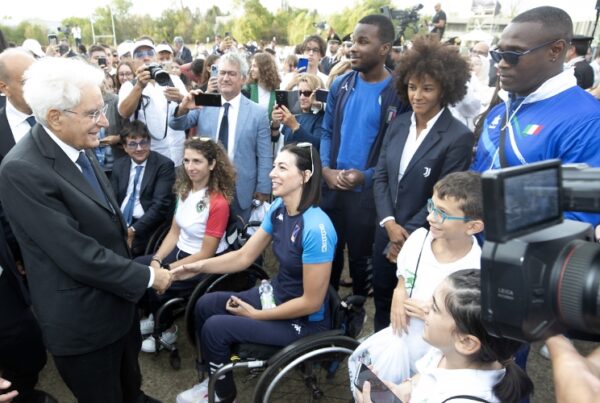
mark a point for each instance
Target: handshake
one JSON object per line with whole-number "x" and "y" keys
{"x": 162, "y": 279}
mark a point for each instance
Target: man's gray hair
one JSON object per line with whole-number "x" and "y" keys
{"x": 56, "y": 83}
{"x": 237, "y": 59}
{"x": 178, "y": 39}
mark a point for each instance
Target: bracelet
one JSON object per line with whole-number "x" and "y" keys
{"x": 156, "y": 259}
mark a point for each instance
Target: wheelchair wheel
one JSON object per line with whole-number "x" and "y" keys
{"x": 315, "y": 371}
{"x": 234, "y": 282}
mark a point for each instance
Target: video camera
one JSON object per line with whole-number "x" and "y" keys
{"x": 540, "y": 274}
{"x": 405, "y": 18}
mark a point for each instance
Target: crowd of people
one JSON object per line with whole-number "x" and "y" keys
{"x": 351, "y": 152}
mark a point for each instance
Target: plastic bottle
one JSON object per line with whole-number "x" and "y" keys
{"x": 267, "y": 300}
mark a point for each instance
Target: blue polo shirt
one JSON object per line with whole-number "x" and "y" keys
{"x": 306, "y": 238}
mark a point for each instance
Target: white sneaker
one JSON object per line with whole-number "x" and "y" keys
{"x": 544, "y": 352}
{"x": 147, "y": 325}
{"x": 197, "y": 394}
{"x": 168, "y": 337}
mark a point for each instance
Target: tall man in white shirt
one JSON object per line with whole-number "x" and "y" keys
{"x": 15, "y": 118}
{"x": 241, "y": 125}
{"x": 144, "y": 99}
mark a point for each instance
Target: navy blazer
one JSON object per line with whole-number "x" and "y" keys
{"x": 84, "y": 287}
{"x": 7, "y": 140}
{"x": 447, "y": 148}
{"x": 156, "y": 190}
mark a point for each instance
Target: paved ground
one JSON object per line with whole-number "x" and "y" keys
{"x": 162, "y": 382}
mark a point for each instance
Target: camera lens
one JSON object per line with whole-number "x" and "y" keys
{"x": 576, "y": 279}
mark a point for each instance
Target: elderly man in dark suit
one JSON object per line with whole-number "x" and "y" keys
{"x": 143, "y": 183}
{"x": 84, "y": 286}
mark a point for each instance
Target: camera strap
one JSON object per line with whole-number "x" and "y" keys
{"x": 502, "y": 147}
{"x": 418, "y": 264}
{"x": 466, "y": 397}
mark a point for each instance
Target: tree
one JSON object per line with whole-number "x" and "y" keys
{"x": 255, "y": 24}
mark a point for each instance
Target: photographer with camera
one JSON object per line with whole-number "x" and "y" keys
{"x": 151, "y": 97}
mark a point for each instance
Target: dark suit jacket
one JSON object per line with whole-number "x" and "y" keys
{"x": 584, "y": 73}
{"x": 447, "y": 148}
{"x": 84, "y": 288}
{"x": 156, "y": 190}
{"x": 7, "y": 140}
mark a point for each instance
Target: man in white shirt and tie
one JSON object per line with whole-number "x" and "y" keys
{"x": 241, "y": 126}
{"x": 15, "y": 118}
{"x": 143, "y": 182}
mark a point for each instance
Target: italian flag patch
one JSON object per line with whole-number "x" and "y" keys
{"x": 532, "y": 130}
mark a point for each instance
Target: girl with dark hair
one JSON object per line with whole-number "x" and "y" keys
{"x": 204, "y": 188}
{"x": 303, "y": 242}
{"x": 465, "y": 361}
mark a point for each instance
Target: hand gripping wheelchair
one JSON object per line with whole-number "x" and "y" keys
{"x": 310, "y": 369}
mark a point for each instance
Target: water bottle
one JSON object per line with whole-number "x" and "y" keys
{"x": 267, "y": 300}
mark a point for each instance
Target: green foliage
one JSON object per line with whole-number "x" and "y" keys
{"x": 255, "y": 23}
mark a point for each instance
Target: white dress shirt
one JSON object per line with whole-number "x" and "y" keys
{"x": 410, "y": 148}
{"x": 138, "y": 210}
{"x": 232, "y": 116}
{"x": 17, "y": 121}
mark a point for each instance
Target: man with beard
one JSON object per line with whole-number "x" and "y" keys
{"x": 360, "y": 106}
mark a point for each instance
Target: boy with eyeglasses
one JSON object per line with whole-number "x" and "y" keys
{"x": 143, "y": 182}
{"x": 427, "y": 257}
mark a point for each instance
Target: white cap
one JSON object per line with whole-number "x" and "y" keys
{"x": 34, "y": 47}
{"x": 124, "y": 48}
{"x": 163, "y": 47}
{"x": 143, "y": 42}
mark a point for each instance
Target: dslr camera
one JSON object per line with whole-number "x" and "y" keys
{"x": 159, "y": 75}
{"x": 540, "y": 274}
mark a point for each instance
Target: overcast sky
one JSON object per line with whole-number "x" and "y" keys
{"x": 56, "y": 10}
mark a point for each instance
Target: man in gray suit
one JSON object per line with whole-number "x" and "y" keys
{"x": 240, "y": 125}
{"x": 84, "y": 286}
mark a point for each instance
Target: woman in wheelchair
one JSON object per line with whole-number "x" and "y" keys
{"x": 303, "y": 242}
{"x": 204, "y": 188}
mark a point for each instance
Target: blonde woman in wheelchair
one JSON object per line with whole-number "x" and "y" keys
{"x": 303, "y": 242}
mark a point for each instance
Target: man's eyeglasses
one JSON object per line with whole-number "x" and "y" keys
{"x": 95, "y": 116}
{"x": 143, "y": 53}
{"x": 440, "y": 216}
{"x": 314, "y": 50}
{"x": 512, "y": 56}
{"x": 230, "y": 73}
{"x": 133, "y": 145}
{"x": 312, "y": 163}
{"x": 347, "y": 44}
{"x": 305, "y": 93}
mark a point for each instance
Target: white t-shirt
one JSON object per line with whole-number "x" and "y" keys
{"x": 438, "y": 384}
{"x": 199, "y": 215}
{"x": 429, "y": 275}
{"x": 154, "y": 111}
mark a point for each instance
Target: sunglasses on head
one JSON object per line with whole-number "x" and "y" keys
{"x": 512, "y": 56}
{"x": 312, "y": 163}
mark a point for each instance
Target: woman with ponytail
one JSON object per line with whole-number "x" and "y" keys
{"x": 465, "y": 364}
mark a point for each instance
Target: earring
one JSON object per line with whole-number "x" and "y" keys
{"x": 553, "y": 59}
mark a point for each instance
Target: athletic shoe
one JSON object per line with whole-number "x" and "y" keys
{"x": 147, "y": 325}
{"x": 167, "y": 337}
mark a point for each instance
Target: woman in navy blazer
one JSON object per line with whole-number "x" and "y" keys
{"x": 419, "y": 148}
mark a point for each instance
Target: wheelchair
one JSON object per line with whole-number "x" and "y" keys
{"x": 237, "y": 235}
{"x": 310, "y": 369}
